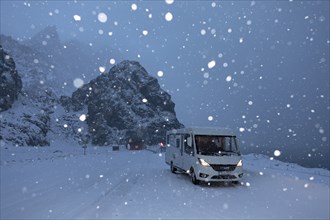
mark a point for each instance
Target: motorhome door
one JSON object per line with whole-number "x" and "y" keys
{"x": 178, "y": 161}
{"x": 188, "y": 152}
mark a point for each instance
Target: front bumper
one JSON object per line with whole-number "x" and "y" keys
{"x": 208, "y": 174}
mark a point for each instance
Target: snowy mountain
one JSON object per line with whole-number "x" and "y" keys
{"x": 122, "y": 106}
{"x": 126, "y": 103}
{"x": 60, "y": 182}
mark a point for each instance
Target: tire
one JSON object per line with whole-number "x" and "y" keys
{"x": 173, "y": 169}
{"x": 194, "y": 180}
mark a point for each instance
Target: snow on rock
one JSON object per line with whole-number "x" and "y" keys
{"x": 24, "y": 123}
{"x": 10, "y": 81}
{"x": 127, "y": 103}
{"x": 28, "y": 122}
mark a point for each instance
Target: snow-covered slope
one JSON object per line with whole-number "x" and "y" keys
{"x": 59, "y": 182}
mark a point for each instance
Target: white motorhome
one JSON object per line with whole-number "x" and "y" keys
{"x": 207, "y": 154}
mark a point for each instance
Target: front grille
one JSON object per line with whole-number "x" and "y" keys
{"x": 224, "y": 177}
{"x": 218, "y": 167}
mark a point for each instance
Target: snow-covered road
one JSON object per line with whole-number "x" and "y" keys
{"x": 106, "y": 184}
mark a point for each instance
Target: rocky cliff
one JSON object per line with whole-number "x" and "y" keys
{"x": 28, "y": 122}
{"x": 10, "y": 81}
{"x": 124, "y": 104}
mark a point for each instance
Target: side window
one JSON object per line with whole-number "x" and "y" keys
{"x": 171, "y": 140}
{"x": 178, "y": 140}
{"x": 188, "y": 149}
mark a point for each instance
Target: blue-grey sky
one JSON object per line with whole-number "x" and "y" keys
{"x": 259, "y": 67}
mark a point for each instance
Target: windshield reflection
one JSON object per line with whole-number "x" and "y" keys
{"x": 216, "y": 145}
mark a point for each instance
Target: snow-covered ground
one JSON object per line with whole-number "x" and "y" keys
{"x": 62, "y": 183}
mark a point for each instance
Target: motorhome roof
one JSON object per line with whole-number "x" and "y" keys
{"x": 204, "y": 131}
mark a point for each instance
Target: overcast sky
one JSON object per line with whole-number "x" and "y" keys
{"x": 259, "y": 67}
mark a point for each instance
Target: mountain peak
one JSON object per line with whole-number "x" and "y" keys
{"x": 125, "y": 103}
{"x": 46, "y": 40}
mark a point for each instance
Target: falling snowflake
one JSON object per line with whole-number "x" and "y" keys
{"x": 168, "y": 16}
{"x": 134, "y": 7}
{"x": 169, "y": 2}
{"x": 76, "y": 17}
{"x": 112, "y": 61}
{"x": 102, "y": 69}
{"x": 82, "y": 117}
{"x": 78, "y": 82}
{"x": 211, "y": 64}
{"x": 277, "y": 153}
{"x": 102, "y": 17}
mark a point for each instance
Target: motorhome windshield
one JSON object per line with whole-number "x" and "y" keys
{"x": 216, "y": 145}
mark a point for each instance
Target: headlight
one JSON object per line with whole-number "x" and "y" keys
{"x": 203, "y": 162}
{"x": 240, "y": 163}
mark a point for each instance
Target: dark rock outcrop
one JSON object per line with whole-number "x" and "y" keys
{"x": 28, "y": 123}
{"x": 124, "y": 104}
{"x": 34, "y": 67}
{"x": 10, "y": 81}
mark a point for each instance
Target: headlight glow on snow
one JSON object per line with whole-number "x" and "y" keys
{"x": 240, "y": 163}
{"x": 203, "y": 162}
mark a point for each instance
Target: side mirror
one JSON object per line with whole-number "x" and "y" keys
{"x": 189, "y": 141}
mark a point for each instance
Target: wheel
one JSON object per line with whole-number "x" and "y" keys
{"x": 173, "y": 169}
{"x": 194, "y": 180}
